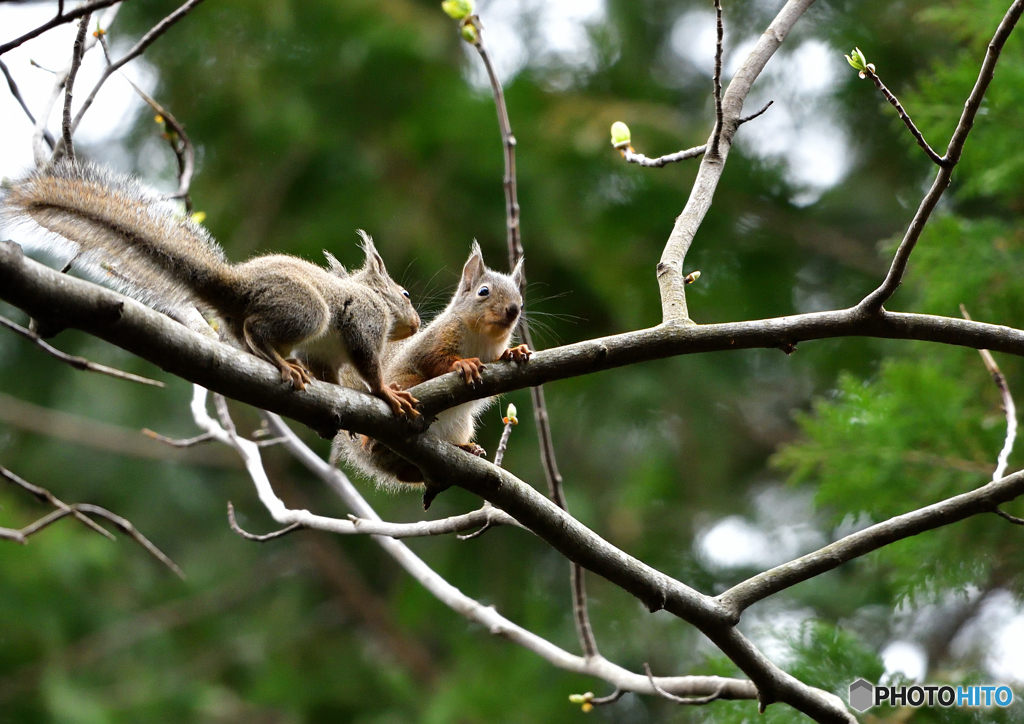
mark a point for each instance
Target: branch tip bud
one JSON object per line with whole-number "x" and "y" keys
{"x": 858, "y": 62}
{"x": 469, "y": 33}
{"x": 510, "y": 415}
{"x": 620, "y": 134}
{"x": 691, "y": 277}
{"x": 458, "y": 9}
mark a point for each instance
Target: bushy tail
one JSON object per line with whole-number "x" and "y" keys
{"x": 389, "y": 470}
{"x": 112, "y": 228}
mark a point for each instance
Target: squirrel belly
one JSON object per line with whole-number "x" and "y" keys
{"x": 123, "y": 234}
{"x": 474, "y": 329}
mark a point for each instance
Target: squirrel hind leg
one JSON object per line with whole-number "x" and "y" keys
{"x": 259, "y": 343}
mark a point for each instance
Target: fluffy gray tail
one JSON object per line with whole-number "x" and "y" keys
{"x": 116, "y": 231}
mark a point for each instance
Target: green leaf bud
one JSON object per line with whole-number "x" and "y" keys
{"x": 458, "y": 9}
{"x": 620, "y": 134}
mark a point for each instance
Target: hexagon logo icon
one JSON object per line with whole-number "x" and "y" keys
{"x": 862, "y": 695}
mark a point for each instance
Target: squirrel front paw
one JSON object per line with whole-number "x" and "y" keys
{"x": 402, "y": 403}
{"x": 473, "y": 449}
{"x": 517, "y": 354}
{"x": 469, "y": 369}
{"x": 295, "y": 372}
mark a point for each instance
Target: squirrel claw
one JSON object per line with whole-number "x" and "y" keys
{"x": 518, "y": 354}
{"x": 296, "y": 373}
{"x": 402, "y": 403}
{"x": 469, "y": 369}
{"x": 473, "y": 449}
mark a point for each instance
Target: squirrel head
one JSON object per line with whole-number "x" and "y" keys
{"x": 404, "y": 319}
{"x": 487, "y": 301}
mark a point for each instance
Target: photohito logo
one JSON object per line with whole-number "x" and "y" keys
{"x": 864, "y": 695}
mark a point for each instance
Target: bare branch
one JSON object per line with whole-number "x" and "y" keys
{"x": 187, "y": 442}
{"x": 690, "y": 700}
{"x": 872, "y": 303}
{"x": 540, "y": 411}
{"x": 985, "y": 499}
{"x": 716, "y": 134}
{"x": 752, "y": 116}
{"x": 39, "y": 290}
{"x": 60, "y": 18}
{"x": 180, "y": 145}
{"x": 144, "y": 42}
{"x": 670, "y": 266}
{"x": 81, "y": 511}
{"x": 1012, "y": 518}
{"x": 21, "y": 101}
{"x": 638, "y": 158}
{"x": 1008, "y": 407}
{"x": 487, "y": 616}
{"x": 79, "y": 363}
{"x": 258, "y": 538}
{"x": 69, "y": 84}
{"x": 905, "y": 117}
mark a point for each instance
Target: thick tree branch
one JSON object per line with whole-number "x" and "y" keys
{"x": 47, "y": 295}
{"x": 874, "y": 301}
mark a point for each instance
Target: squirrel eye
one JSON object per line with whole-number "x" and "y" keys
{"x": 405, "y": 293}
{"x": 484, "y": 291}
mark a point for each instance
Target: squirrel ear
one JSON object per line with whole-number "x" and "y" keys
{"x": 335, "y": 266}
{"x": 374, "y": 262}
{"x": 519, "y": 274}
{"x": 473, "y": 269}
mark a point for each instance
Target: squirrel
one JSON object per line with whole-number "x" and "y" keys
{"x": 272, "y": 306}
{"x": 473, "y": 330}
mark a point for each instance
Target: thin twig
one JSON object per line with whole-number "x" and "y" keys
{"x": 716, "y": 135}
{"x": 610, "y": 699}
{"x": 752, "y": 116}
{"x": 180, "y": 145}
{"x": 252, "y": 536}
{"x": 69, "y": 84}
{"x": 79, "y": 363}
{"x": 632, "y": 156}
{"x": 59, "y": 19}
{"x": 80, "y": 511}
{"x": 905, "y": 117}
{"x": 173, "y": 442}
{"x": 1012, "y": 518}
{"x": 689, "y": 700}
{"x": 155, "y": 32}
{"x": 872, "y": 303}
{"x": 21, "y": 101}
{"x": 515, "y": 255}
{"x": 1008, "y": 407}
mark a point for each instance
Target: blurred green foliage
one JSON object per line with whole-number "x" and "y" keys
{"x": 313, "y": 119}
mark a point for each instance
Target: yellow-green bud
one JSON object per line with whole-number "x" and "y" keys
{"x": 620, "y": 134}
{"x": 691, "y": 277}
{"x": 857, "y": 60}
{"x": 198, "y": 217}
{"x": 579, "y": 698}
{"x": 510, "y": 415}
{"x": 458, "y": 9}
{"x": 469, "y": 33}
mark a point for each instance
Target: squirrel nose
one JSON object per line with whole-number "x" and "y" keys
{"x": 512, "y": 311}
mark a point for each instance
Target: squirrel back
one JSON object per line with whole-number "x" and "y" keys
{"x": 473, "y": 330}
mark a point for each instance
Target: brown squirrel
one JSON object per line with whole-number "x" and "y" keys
{"x": 473, "y": 330}
{"x": 272, "y": 306}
